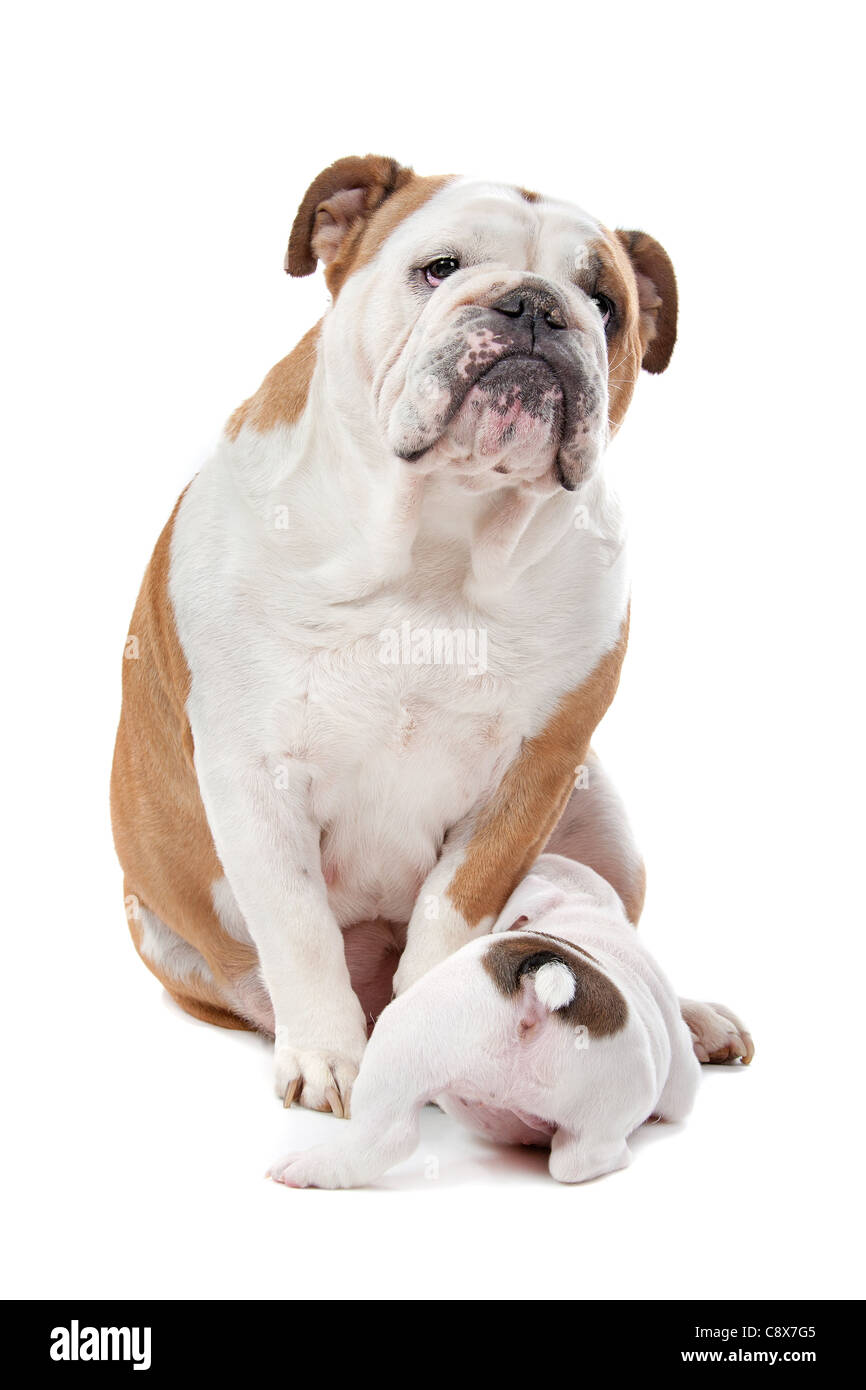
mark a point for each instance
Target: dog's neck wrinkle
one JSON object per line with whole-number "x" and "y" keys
{"x": 360, "y": 520}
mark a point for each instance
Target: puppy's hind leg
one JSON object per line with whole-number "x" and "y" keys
{"x": 574, "y": 1158}
{"x": 680, "y": 1088}
{"x": 409, "y": 1059}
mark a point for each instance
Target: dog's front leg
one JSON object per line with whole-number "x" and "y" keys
{"x": 268, "y": 843}
{"x": 486, "y": 855}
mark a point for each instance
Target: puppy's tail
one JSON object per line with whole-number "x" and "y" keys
{"x": 512, "y": 960}
{"x": 554, "y": 984}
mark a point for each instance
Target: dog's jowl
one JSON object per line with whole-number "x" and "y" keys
{"x": 310, "y": 814}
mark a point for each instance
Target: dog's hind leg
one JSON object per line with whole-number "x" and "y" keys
{"x": 594, "y": 830}
{"x": 183, "y": 971}
{"x": 717, "y": 1033}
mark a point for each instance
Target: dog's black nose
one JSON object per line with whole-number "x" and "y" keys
{"x": 533, "y": 307}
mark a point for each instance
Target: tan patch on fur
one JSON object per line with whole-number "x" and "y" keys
{"x": 528, "y": 196}
{"x": 532, "y": 796}
{"x": 161, "y": 833}
{"x": 640, "y": 310}
{"x": 657, "y": 296}
{"x": 625, "y": 347}
{"x": 632, "y": 894}
{"x": 198, "y": 997}
{"x": 372, "y": 177}
{"x": 598, "y": 1006}
{"x": 282, "y": 396}
{"x": 367, "y": 238}
{"x": 341, "y": 207}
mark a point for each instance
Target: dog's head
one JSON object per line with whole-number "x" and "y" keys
{"x": 492, "y": 331}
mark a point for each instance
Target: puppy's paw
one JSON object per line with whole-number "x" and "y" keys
{"x": 316, "y": 1080}
{"x": 323, "y": 1166}
{"x": 717, "y": 1033}
{"x": 577, "y": 1160}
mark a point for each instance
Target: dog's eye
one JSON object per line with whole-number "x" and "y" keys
{"x": 440, "y": 269}
{"x": 605, "y": 307}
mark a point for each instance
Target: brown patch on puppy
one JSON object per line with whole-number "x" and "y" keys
{"x": 161, "y": 833}
{"x": 519, "y": 820}
{"x": 528, "y": 196}
{"x": 282, "y": 396}
{"x": 597, "y": 1005}
{"x": 560, "y": 940}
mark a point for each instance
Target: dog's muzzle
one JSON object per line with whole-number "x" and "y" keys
{"x": 519, "y": 373}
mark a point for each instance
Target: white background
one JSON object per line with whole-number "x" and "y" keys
{"x": 156, "y": 154}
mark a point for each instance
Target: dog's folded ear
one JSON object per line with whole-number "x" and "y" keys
{"x": 343, "y": 195}
{"x": 657, "y": 296}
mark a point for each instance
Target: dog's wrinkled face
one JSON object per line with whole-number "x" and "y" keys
{"x": 503, "y": 360}
{"x": 495, "y": 333}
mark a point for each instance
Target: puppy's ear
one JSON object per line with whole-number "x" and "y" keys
{"x": 344, "y": 193}
{"x": 532, "y": 897}
{"x": 657, "y": 295}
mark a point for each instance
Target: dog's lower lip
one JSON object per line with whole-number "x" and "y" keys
{"x": 522, "y": 357}
{"x": 413, "y": 455}
{"x": 569, "y": 484}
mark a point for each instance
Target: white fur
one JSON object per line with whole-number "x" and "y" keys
{"x": 554, "y": 985}
{"x": 454, "y": 1036}
{"x": 169, "y": 952}
{"x": 339, "y": 788}
{"x": 226, "y": 907}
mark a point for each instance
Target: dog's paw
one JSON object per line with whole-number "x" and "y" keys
{"x": 717, "y": 1033}
{"x": 316, "y": 1080}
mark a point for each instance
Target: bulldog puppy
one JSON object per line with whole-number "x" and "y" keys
{"x": 558, "y": 1030}
{"x": 382, "y": 623}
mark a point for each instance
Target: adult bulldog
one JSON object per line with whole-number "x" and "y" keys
{"x": 382, "y": 623}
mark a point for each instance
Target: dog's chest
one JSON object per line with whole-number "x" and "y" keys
{"x": 391, "y": 716}
{"x": 403, "y": 728}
